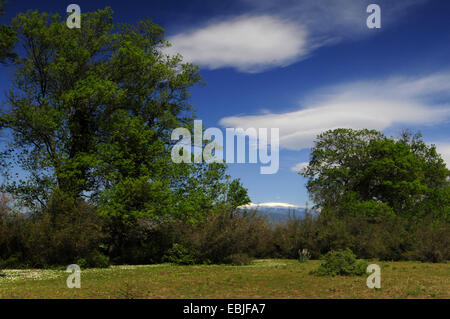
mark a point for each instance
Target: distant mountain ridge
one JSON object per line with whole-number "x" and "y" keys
{"x": 276, "y": 212}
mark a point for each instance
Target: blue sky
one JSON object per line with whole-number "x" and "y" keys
{"x": 305, "y": 67}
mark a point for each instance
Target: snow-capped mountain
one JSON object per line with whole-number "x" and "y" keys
{"x": 276, "y": 212}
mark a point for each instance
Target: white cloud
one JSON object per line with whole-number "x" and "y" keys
{"x": 249, "y": 44}
{"x": 299, "y": 167}
{"x": 279, "y": 33}
{"x": 365, "y": 104}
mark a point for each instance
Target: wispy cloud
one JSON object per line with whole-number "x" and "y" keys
{"x": 279, "y": 33}
{"x": 249, "y": 44}
{"x": 364, "y": 104}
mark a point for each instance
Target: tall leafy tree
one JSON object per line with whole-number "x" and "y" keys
{"x": 91, "y": 114}
{"x": 336, "y": 155}
{"x": 364, "y": 165}
{"x": 79, "y": 93}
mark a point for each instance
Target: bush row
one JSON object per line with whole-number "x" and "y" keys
{"x": 70, "y": 232}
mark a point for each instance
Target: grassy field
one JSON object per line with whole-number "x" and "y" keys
{"x": 274, "y": 278}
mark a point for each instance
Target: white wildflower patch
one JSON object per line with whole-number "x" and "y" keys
{"x": 126, "y": 267}
{"x": 9, "y": 275}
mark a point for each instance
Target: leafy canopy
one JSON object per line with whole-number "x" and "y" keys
{"x": 7, "y": 39}
{"x": 364, "y": 165}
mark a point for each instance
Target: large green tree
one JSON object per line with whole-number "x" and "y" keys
{"x": 91, "y": 114}
{"x": 364, "y": 165}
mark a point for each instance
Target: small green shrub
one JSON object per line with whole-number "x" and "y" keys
{"x": 82, "y": 263}
{"x": 179, "y": 255}
{"x": 98, "y": 260}
{"x": 94, "y": 260}
{"x": 340, "y": 262}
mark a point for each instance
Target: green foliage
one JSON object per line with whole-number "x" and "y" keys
{"x": 385, "y": 238}
{"x": 179, "y": 255}
{"x": 223, "y": 237}
{"x": 91, "y": 111}
{"x": 8, "y": 39}
{"x": 335, "y": 157}
{"x": 93, "y": 107}
{"x": 341, "y": 262}
{"x": 380, "y": 197}
{"x": 296, "y": 234}
{"x": 94, "y": 260}
{"x": 407, "y": 175}
{"x": 228, "y": 233}
{"x": 237, "y": 194}
{"x": 82, "y": 263}
{"x": 66, "y": 231}
{"x": 98, "y": 260}
{"x": 432, "y": 243}
{"x": 13, "y": 232}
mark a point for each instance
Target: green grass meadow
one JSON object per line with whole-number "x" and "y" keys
{"x": 271, "y": 278}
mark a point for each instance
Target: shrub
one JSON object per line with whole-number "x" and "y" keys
{"x": 296, "y": 234}
{"x": 341, "y": 262}
{"x": 82, "y": 263}
{"x": 13, "y": 232}
{"x": 141, "y": 241}
{"x": 220, "y": 236}
{"x": 179, "y": 255}
{"x": 228, "y": 233}
{"x": 65, "y": 232}
{"x": 432, "y": 243}
{"x": 98, "y": 260}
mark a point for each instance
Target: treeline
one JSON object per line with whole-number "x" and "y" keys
{"x": 227, "y": 236}
{"x": 239, "y": 236}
